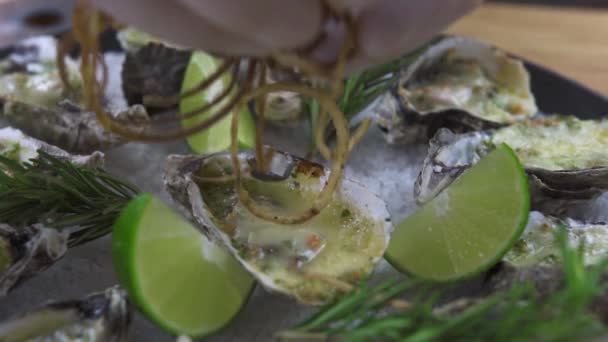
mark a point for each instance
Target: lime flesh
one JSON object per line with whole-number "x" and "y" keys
{"x": 175, "y": 276}
{"x": 217, "y": 137}
{"x": 469, "y": 226}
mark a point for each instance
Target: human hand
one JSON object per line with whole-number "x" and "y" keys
{"x": 387, "y": 28}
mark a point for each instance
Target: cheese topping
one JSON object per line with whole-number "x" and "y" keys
{"x": 455, "y": 82}
{"x": 538, "y": 243}
{"x": 15, "y": 146}
{"x": 558, "y": 143}
{"x": 340, "y": 242}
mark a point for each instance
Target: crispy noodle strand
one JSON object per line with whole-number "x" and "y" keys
{"x": 202, "y": 85}
{"x": 259, "y": 129}
{"x": 337, "y": 167}
{"x": 88, "y": 23}
{"x": 215, "y": 101}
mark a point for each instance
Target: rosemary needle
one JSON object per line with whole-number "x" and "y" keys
{"x": 519, "y": 313}
{"x": 62, "y": 195}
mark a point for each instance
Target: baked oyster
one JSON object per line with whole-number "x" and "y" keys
{"x": 343, "y": 242}
{"x": 33, "y": 99}
{"x": 458, "y": 83}
{"x": 538, "y": 245}
{"x": 99, "y": 317}
{"x": 566, "y": 159}
{"x": 30, "y": 249}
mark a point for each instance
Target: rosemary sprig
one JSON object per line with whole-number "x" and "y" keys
{"x": 519, "y": 313}
{"x": 61, "y": 195}
{"x": 363, "y": 88}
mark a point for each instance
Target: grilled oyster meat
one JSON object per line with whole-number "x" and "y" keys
{"x": 33, "y": 99}
{"x": 458, "y": 83}
{"x": 538, "y": 246}
{"x": 28, "y": 250}
{"x": 344, "y": 241}
{"x": 566, "y": 159}
{"x": 99, "y": 317}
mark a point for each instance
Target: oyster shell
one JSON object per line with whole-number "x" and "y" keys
{"x": 154, "y": 70}
{"x": 102, "y": 317}
{"x": 26, "y": 251}
{"x": 15, "y": 145}
{"x": 458, "y": 83}
{"x": 32, "y": 98}
{"x": 538, "y": 246}
{"x": 566, "y": 159}
{"x": 343, "y": 242}
{"x": 282, "y": 107}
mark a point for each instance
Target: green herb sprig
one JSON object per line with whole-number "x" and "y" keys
{"x": 61, "y": 195}
{"x": 364, "y": 87}
{"x": 519, "y": 313}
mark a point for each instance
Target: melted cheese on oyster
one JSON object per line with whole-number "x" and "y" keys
{"x": 42, "y": 86}
{"x": 339, "y": 242}
{"x": 455, "y": 82}
{"x": 15, "y": 146}
{"x": 539, "y": 246}
{"x": 559, "y": 143}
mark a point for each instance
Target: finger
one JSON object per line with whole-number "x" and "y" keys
{"x": 173, "y": 22}
{"x": 392, "y": 28}
{"x": 274, "y": 24}
{"x": 354, "y": 7}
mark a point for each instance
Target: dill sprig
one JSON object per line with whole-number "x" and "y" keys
{"x": 61, "y": 195}
{"x": 519, "y": 313}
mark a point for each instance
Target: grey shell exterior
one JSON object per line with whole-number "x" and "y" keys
{"x": 403, "y": 123}
{"x": 180, "y": 185}
{"x": 99, "y": 317}
{"x": 35, "y": 248}
{"x": 552, "y": 192}
{"x": 32, "y": 249}
{"x": 154, "y": 70}
{"x": 68, "y": 126}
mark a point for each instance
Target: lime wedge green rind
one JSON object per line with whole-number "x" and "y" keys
{"x": 173, "y": 274}
{"x": 470, "y": 226}
{"x": 217, "y": 137}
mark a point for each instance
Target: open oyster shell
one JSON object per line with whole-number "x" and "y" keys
{"x": 154, "y": 71}
{"x": 538, "y": 246}
{"x": 343, "y": 242}
{"x": 17, "y": 146}
{"x": 566, "y": 159}
{"x": 458, "y": 83}
{"x": 28, "y": 250}
{"x": 99, "y": 317}
{"x": 33, "y": 99}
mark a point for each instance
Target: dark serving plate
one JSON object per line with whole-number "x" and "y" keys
{"x": 556, "y": 94}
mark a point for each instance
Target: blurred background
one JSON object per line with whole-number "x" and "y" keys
{"x": 568, "y": 36}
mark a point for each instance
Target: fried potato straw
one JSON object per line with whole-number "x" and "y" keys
{"x": 89, "y": 23}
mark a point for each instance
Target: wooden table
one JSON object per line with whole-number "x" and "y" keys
{"x": 571, "y": 41}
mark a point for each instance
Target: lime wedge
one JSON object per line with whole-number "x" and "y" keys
{"x": 469, "y": 226}
{"x": 173, "y": 274}
{"x": 217, "y": 137}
